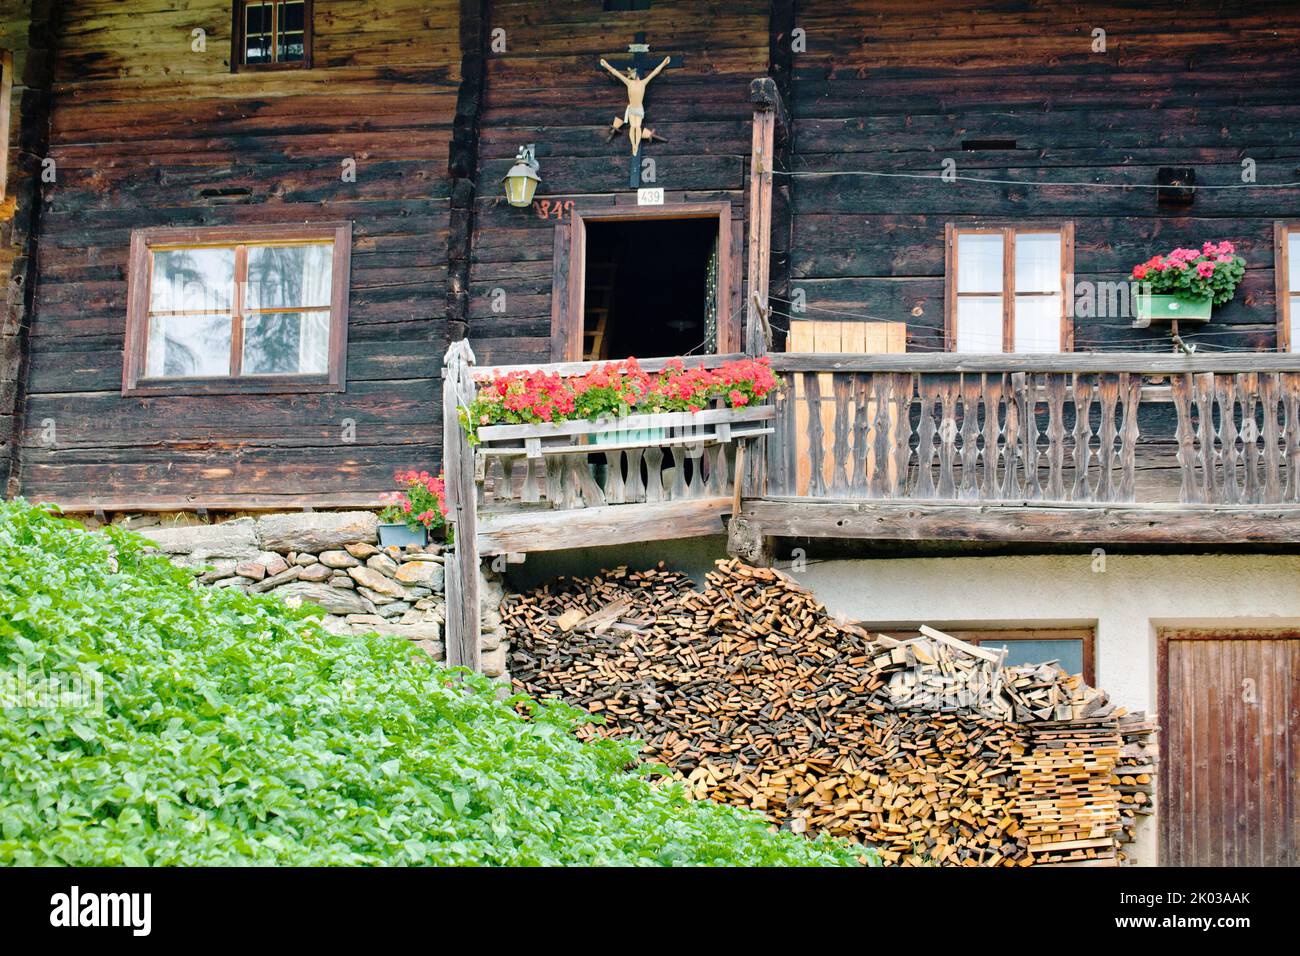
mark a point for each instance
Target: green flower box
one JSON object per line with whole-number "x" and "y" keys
{"x": 1169, "y": 307}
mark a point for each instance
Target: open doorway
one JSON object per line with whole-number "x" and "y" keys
{"x": 650, "y": 287}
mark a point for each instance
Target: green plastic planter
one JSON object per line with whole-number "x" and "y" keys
{"x": 1169, "y": 307}
{"x": 401, "y": 535}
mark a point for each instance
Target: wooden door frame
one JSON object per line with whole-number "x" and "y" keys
{"x": 568, "y": 285}
{"x": 1163, "y": 636}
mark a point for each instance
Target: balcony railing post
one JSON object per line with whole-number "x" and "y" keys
{"x": 463, "y": 622}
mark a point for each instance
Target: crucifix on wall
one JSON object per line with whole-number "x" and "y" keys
{"x": 633, "y": 74}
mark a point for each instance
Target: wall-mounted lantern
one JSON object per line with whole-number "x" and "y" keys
{"x": 521, "y": 182}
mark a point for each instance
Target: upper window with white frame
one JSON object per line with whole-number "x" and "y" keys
{"x": 1008, "y": 288}
{"x": 1287, "y": 262}
{"x": 231, "y": 309}
{"x": 272, "y": 34}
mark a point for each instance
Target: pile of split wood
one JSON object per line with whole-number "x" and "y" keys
{"x": 928, "y": 749}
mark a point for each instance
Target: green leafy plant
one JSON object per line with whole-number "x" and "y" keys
{"x": 423, "y": 503}
{"x": 1212, "y": 272}
{"x": 235, "y": 730}
{"x": 614, "y": 389}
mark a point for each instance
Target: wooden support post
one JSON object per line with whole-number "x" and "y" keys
{"x": 463, "y": 621}
{"x": 767, "y": 104}
{"x": 769, "y": 113}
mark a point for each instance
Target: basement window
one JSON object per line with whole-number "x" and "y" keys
{"x": 234, "y": 309}
{"x": 1008, "y": 287}
{"x": 1072, "y": 648}
{"x": 632, "y": 283}
{"x": 1287, "y": 263}
{"x": 272, "y": 34}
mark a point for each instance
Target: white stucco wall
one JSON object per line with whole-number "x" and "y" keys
{"x": 1126, "y": 602}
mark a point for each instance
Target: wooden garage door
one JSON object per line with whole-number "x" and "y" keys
{"x": 1230, "y": 748}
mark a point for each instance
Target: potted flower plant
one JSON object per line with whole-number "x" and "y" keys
{"x": 615, "y": 390}
{"x": 414, "y": 515}
{"x": 1187, "y": 283}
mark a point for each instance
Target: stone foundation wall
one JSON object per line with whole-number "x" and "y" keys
{"x": 333, "y": 560}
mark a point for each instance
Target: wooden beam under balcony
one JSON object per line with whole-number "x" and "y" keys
{"x": 1084, "y": 524}
{"x": 545, "y": 530}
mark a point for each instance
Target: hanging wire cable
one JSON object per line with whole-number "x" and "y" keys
{"x": 948, "y": 178}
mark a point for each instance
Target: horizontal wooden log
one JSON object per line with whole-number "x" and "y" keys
{"x": 1147, "y": 363}
{"x": 711, "y": 416}
{"x": 199, "y": 501}
{"x": 595, "y": 527}
{"x": 484, "y": 372}
{"x": 1026, "y": 521}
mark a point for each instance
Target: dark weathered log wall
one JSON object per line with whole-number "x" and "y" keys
{"x": 546, "y": 88}
{"x": 148, "y": 132}
{"x": 26, "y": 34}
{"x": 898, "y": 86}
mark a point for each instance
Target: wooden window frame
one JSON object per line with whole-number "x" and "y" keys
{"x": 978, "y": 636}
{"x": 238, "y": 51}
{"x": 1282, "y": 231}
{"x": 139, "y": 278}
{"x": 568, "y": 286}
{"x": 1008, "y": 231}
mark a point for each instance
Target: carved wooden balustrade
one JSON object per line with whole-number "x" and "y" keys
{"x": 640, "y": 459}
{"x": 1091, "y": 429}
{"x": 1083, "y": 447}
{"x": 568, "y": 484}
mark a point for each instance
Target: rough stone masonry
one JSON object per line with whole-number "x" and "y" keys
{"x": 332, "y": 560}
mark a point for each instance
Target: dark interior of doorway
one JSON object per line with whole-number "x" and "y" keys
{"x": 650, "y": 288}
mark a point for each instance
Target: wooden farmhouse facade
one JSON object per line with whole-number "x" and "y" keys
{"x": 258, "y": 254}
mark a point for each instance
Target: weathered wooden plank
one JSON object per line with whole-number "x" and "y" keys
{"x": 1055, "y": 388}
{"x": 816, "y": 436}
{"x": 1291, "y": 404}
{"x": 948, "y": 388}
{"x": 1108, "y": 398}
{"x": 462, "y": 624}
{"x": 991, "y": 398}
{"x": 1032, "y": 454}
{"x": 842, "y": 390}
{"x": 1225, "y": 396}
{"x": 900, "y": 423}
{"x": 951, "y": 363}
{"x": 1082, "y": 393}
{"x": 926, "y": 438}
{"x": 1130, "y": 388}
{"x": 1270, "y": 399}
{"x": 1013, "y": 453}
{"x": 1247, "y": 386}
{"x": 971, "y": 390}
{"x": 1211, "y": 487}
{"x": 532, "y": 531}
{"x": 1082, "y": 523}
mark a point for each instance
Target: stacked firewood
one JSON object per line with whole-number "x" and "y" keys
{"x": 1065, "y": 801}
{"x": 938, "y": 673}
{"x": 755, "y": 696}
{"x": 1134, "y": 775}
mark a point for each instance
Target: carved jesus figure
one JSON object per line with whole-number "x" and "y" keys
{"x": 635, "y": 111}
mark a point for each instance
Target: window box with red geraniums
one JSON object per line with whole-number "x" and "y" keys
{"x": 415, "y": 515}
{"x": 1186, "y": 284}
{"x": 616, "y": 389}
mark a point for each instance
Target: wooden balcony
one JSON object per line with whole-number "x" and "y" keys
{"x": 1084, "y": 448}
{"x": 640, "y": 478}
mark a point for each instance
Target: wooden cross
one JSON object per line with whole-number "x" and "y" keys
{"x": 646, "y": 67}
